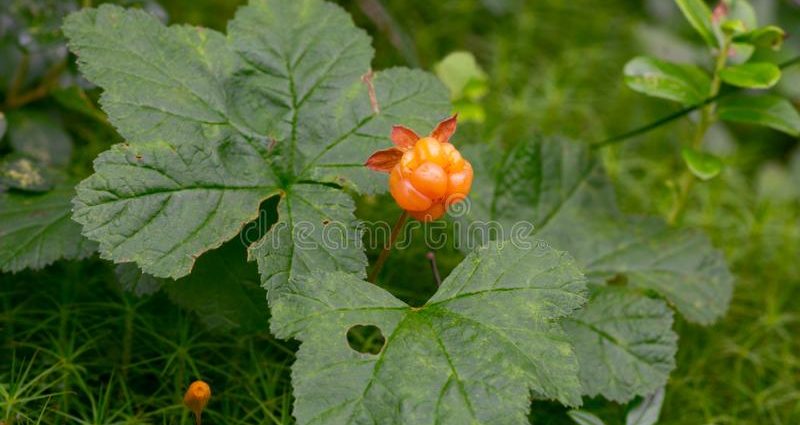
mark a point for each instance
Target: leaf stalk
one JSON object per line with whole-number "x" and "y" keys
{"x": 387, "y": 249}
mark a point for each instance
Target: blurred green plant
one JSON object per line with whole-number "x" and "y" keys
{"x": 732, "y": 34}
{"x": 467, "y": 82}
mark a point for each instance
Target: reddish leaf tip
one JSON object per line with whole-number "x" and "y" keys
{"x": 403, "y": 137}
{"x": 445, "y": 129}
{"x": 384, "y": 160}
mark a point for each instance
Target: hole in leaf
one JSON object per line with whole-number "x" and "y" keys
{"x": 366, "y": 339}
{"x": 255, "y": 230}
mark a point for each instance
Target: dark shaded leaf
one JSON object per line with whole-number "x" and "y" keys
{"x": 36, "y": 230}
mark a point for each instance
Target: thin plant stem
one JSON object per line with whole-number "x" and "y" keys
{"x": 48, "y": 83}
{"x": 688, "y": 179}
{"x": 676, "y": 115}
{"x": 436, "y": 276}
{"x": 387, "y": 249}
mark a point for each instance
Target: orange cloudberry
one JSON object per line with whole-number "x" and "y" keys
{"x": 196, "y": 398}
{"x": 426, "y": 174}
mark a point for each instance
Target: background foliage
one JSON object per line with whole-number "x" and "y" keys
{"x": 76, "y": 349}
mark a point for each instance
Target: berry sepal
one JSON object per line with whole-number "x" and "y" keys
{"x": 426, "y": 174}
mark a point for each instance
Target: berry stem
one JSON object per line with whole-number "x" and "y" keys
{"x": 398, "y": 226}
{"x": 436, "y": 276}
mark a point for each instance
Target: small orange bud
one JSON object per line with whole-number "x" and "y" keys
{"x": 426, "y": 174}
{"x": 196, "y": 398}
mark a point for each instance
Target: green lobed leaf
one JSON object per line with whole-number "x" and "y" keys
{"x": 624, "y": 342}
{"x": 162, "y": 205}
{"x": 699, "y": 16}
{"x": 767, "y": 110}
{"x": 469, "y": 355}
{"x": 410, "y": 97}
{"x": 554, "y": 186}
{"x": 682, "y": 266}
{"x": 530, "y": 184}
{"x": 308, "y": 85}
{"x": 316, "y": 230}
{"x": 682, "y": 83}
{"x": 160, "y": 83}
{"x": 285, "y": 100}
{"x": 703, "y": 165}
{"x": 36, "y": 230}
{"x": 753, "y": 75}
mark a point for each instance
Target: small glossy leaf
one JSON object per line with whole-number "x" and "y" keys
{"x": 460, "y": 71}
{"x": 753, "y": 75}
{"x": 582, "y": 417}
{"x": 703, "y": 165}
{"x": 647, "y": 411}
{"x": 734, "y": 26}
{"x": 3, "y": 125}
{"x": 699, "y": 16}
{"x": 36, "y": 230}
{"x": 686, "y": 84}
{"x": 740, "y": 53}
{"x": 471, "y": 354}
{"x": 741, "y": 10}
{"x": 767, "y": 110}
{"x": 766, "y": 37}
{"x": 624, "y": 342}
{"x": 22, "y": 173}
